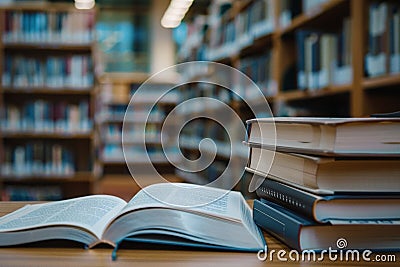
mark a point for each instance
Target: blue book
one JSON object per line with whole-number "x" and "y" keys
{"x": 301, "y": 233}
{"x": 323, "y": 208}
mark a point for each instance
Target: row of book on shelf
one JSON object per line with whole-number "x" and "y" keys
{"x": 41, "y": 116}
{"x": 52, "y": 27}
{"x": 115, "y": 153}
{"x": 325, "y": 179}
{"x": 38, "y": 159}
{"x": 73, "y": 71}
{"x": 229, "y": 36}
{"x": 255, "y": 20}
{"x": 112, "y": 132}
{"x": 259, "y": 68}
{"x": 383, "y": 55}
{"x": 28, "y": 193}
{"x": 324, "y": 59}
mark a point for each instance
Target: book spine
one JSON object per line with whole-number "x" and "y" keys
{"x": 277, "y": 223}
{"x": 44, "y": 117}
{"x": 38, "y": 159}
{"x": 39, "y": 27}
{"x": 289, "y": 197}
{"x": 301, "y": 58}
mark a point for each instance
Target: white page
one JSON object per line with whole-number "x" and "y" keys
{"x": 221, "y": 203}
{"x": 91, "y": 212}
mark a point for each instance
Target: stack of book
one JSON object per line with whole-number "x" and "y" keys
{"x": 327, "y": 183}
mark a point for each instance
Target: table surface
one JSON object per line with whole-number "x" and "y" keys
{"x": 101, "y": 256}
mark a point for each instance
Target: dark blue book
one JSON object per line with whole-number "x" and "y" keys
{"x": 300, "y": 233}
{"x": 300, "y": 40}
{"x": 323, "y": 208}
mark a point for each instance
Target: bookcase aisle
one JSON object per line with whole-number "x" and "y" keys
{"x": 332, "y": 58}
{"x": 47, "y": 92}
{"x": 115, "y": 92}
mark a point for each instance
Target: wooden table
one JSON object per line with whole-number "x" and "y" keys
{"x": 77, "y": 256}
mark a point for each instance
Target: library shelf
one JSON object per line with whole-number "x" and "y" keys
{"x": 123, "y": 77}
{"x": 333, "y": 84}
{"x": 298, "y": 95}
{"x": 120, "y": 119}
{"x": 191, "y": 177}
{"x": 383, "y": 81}
{"x": 44, "y": 135}
{"x": 313, "y": 16}
{"x": 43, "y": 90}
{"x": 46, "y": 96}
{"x": 133, "y": 140}
{"x": 27, "y": 179}
{"x": 117, "y": 161}
{"x": 112, "y": 99}
{"x": 57, "y": 47}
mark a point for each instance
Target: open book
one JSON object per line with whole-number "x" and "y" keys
{"x": 223, "y": 223}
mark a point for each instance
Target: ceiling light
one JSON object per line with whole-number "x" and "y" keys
{"x": 84, "y": 4}
{"x": 175, "y": 12}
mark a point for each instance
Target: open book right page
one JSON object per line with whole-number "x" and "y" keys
{"x": 212, "y": 201}
{"x": 199, "y": 213}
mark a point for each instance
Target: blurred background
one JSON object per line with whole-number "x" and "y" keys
{"x": 69, "y": 69}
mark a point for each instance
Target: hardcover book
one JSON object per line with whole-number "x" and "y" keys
{"x": 328, "y": 136}
{"x": 325, "y": 208}
{"x": 334, "y": 174}
{"x": 303, "y": 234}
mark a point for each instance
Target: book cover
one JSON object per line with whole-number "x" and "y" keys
{"x": 336, "y": 174}
{"x": 302, "y": 234}
{"x": 324, "y": 208}
{"x": 328, "y": 136}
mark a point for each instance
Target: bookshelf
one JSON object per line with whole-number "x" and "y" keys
{"x": 309, "y": 58}
{"x": 47, "y": 89}
{"x": 113, "y": 97}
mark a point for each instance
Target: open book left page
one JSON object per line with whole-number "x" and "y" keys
{"x": 80, "y": 219}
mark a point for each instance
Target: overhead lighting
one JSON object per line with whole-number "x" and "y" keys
{"x": 181, "y": 3}
{"x": 175, "y": 13}
{"x": 170, "y": 23}
{"x": 84, "y": 4}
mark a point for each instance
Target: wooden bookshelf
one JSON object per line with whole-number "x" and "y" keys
{"x": 323, "y": 92}
{"x": 47, "y": 91}
{"x": 112, "y": 99}
{"x": 350, "y": 93}
{"x": 315, "y": 15}
{"x": 45, "y": 47}
{"x": 47, "y": 94}
{"x": 385, "y": 81}
{"x": 43, "y": 135}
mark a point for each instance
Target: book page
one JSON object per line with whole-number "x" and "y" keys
{"x": 212, "y": 201}
{"x": 91, "y": 212}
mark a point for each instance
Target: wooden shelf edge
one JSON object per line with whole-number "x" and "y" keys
{"x": 311, "y": 15}
{"x": 307, "y": 94}
{"x": 123, "y": 77}
{"x": 48, "y": 46}
{"x": 11, "y": 135}
{"x": 47, "y": 90}
{"x": 77, "y": 177}
{"x": 383, "y": 81}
